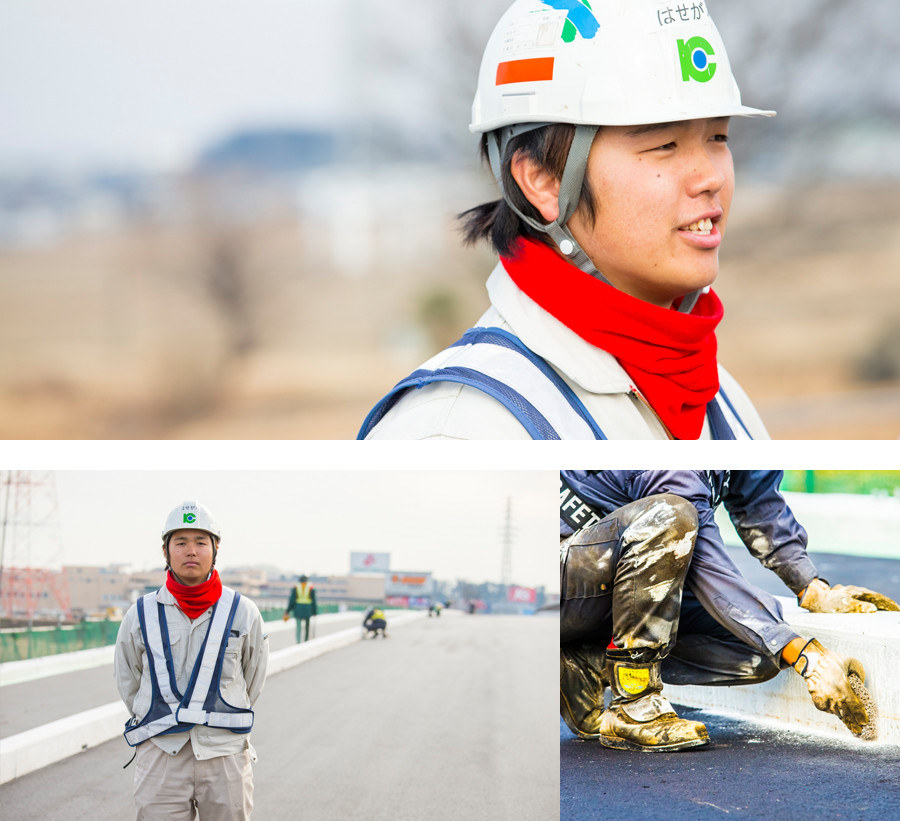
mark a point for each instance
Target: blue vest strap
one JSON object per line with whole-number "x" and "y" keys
{"x": 529, "y": 416}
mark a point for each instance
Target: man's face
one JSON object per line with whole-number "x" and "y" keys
{"x": 190, "y": 556}
{"x": 652, "y": 185}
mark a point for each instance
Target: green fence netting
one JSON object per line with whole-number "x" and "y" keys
{"x": 48, "y": 641}
{"x": 842, "y": 481}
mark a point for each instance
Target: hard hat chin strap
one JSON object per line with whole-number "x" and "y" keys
{"x": 569, "y": 196}
{"x": 569, "y": 189}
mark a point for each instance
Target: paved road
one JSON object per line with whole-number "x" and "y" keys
{"x": 32, "y": 703}
{"x": 450, "y": 718}
{"x": 750, "y": 771}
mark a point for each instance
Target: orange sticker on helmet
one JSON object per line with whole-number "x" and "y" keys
{"x": 525, "y": 71}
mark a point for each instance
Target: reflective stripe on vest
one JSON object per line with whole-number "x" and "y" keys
{"x": 303, "y": 596}
{"x": 497, "y": 363}
{"x": 170, "y": 712}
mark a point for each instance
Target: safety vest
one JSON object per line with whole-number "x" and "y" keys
{"x": 303, "y": 593}
{"x": 377, "y": 614}
{"x": 496, "y": 362}
{"x": 202, "y": 703}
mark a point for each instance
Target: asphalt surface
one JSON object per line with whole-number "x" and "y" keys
{"x": 749, "y": 771}
{"x": 30, "y": 704}
{"x": 449, "y": 718}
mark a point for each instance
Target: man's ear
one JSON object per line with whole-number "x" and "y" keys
{"x": 538, "y": 185}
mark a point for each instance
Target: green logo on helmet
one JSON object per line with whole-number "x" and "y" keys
{"x": 189, "y": 518}
{"x": 694, "y": 55}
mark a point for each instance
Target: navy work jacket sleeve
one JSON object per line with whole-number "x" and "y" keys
{"x": 767, "y": 526}
{"x": 751, "y": 614}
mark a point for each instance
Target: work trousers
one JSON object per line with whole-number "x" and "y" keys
{"x": 623, "y": 578}
{"x": 302, "y": 632}
{"x": 181, "y": 788}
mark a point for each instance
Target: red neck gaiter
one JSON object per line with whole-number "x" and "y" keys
{"x": 670, "y": 356}
{"x": 198, "y": 599}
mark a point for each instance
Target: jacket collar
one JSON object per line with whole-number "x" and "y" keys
{"x": 591, "y": 368}
{"x": 164, "y": 596}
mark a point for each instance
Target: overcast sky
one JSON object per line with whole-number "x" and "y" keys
{"x": 102, "y": 79}
{"x": 447, "y": 522}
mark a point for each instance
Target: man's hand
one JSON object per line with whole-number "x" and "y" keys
{"x": 285, "y": 617}
{"x": 837, "y": 686}
{"x": 820, "y": 598}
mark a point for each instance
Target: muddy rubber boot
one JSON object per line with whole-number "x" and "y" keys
{"x": 582, "y": 684}
{"x": 640, "y": 718}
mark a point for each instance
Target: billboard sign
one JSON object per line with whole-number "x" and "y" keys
{"x": 408, "y": 584}
{"x": 521, "y": 595}
{"x": 370, "y": 562}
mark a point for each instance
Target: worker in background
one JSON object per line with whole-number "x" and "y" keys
{"x": 651, "y": 596}
{"x": 302, "y": 605}
{"x": 375, "y": 623}
{"x": 190, "y": 662}
{"x": 435, "y": 609}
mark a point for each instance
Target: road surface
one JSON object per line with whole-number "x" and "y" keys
{"x": 749, "y": 771}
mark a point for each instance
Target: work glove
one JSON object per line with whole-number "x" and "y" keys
{"x": 285, "y": 617}
{"x": 820, "y": 598}
{"x": 829, "y": 679}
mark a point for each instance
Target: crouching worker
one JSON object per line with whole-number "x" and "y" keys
{"x": 190, "y": 662}
{"x": 375, "y": 623}
{"x": 651, "y": 596}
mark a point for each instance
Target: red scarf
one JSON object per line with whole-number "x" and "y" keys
{"x": 670, "y": 356}
{"x": 197, "y": 599}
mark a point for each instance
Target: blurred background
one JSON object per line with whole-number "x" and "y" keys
{"x": 235, "y": 221}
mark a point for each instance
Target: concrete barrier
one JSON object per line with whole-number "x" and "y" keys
{"x": 25, "y": 752}
{"x": 17, "y": 672}
{"x": 873, "y": 638}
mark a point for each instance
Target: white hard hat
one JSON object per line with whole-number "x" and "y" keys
{"x": 193, "y": 516}
{"x": 605, "y": 62}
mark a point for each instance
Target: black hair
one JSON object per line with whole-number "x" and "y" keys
{"x": 497, "y": 223}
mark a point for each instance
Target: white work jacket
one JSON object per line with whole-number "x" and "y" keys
{"x": 243, "y": 671}
{"x": 448, "y": 410}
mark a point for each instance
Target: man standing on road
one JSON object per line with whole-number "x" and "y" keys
{"x": 302, "y": 604}
{"x": 650, "y": 595}
{"x": 190, "y": 663}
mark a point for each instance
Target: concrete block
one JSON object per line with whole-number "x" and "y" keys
{"x": 17, "y": 672}
{"x": 23, "y": 753}
{"x": 873, "y": 638}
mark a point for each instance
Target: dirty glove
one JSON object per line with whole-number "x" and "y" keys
{"x": 829, "y": 679}
{"x": 285, "y": 617}
{"x": 820, "y": 598}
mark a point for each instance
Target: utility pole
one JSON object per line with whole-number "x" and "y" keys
{"x": 506, "y": 570}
